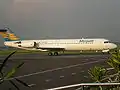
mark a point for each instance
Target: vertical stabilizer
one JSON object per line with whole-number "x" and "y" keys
{"x": 8, "y": 35}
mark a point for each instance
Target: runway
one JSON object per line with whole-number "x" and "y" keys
{"x": 45, "y": 72}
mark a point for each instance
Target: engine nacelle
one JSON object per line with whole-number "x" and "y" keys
{"x": 27, "y": 44}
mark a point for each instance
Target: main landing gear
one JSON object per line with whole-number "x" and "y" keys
{"x": 53, "y": 53}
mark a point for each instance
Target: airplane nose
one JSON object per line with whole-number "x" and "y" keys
{"x": 114, "y": 46}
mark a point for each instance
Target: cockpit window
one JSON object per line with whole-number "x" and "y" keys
{"x": 106, "y": 42}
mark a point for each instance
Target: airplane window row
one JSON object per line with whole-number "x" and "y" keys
{"x": 68, "y": 43}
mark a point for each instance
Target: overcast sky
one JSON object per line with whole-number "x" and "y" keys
{"x": 39, "y": 19}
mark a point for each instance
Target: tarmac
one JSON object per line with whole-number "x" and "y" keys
{"x": 43, "y": 72}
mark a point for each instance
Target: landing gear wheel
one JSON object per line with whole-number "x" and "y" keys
{"x": 50, "y": 53}
{"x": 56, "y": 53}
{"x": 103, "y": 53}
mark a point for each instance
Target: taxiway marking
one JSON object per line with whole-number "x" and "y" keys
{"x": 62, "y": 76}
{"x": 73, "y": 73}
{"x": 56, "y": 69}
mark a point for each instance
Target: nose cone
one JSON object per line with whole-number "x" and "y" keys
{"x": 114, "y": 46}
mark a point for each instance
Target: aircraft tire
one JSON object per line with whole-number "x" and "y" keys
{"x": 103, "y": 53}
{"x": 50, "y": 53}
{"x": 56, "y": 53}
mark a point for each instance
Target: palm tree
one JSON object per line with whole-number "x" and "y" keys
{"x": 97, "y": 73}
{"x": 114, "y": 62}
{"x": 7, "y": 77}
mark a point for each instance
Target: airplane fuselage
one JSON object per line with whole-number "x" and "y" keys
{"x": 62, "y": 44}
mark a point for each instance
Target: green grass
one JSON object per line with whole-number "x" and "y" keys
{"x": 20, "y": 51}
{"x": 6, "y": 52}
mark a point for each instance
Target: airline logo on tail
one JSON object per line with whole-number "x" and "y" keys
{"x": 8, "y": 35}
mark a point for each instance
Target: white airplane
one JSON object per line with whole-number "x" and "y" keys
{"x": 53, "y": 46}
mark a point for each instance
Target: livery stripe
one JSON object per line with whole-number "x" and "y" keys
{"x": 8, "y": 36}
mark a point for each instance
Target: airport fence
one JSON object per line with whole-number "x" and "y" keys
{"x": 89, "y": 86}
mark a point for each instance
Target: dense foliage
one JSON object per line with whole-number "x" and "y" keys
{"x": 102, "y": 75}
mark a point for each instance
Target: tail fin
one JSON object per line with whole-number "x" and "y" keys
{"x": 8, "y": 35}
